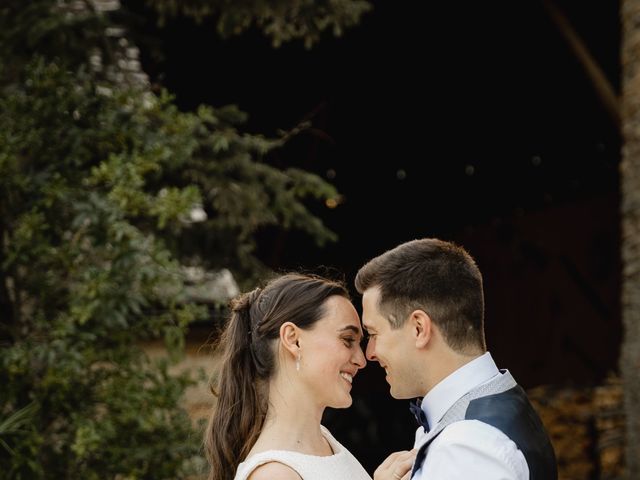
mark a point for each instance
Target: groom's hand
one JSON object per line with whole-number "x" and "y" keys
{"x": 396, "y": 466}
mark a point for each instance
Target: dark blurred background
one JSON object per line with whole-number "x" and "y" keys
{"x": 470, "y": 121}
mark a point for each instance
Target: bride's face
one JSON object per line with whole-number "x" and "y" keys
{"x": 331, "y": 355}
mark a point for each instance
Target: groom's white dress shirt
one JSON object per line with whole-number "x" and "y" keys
{"x": 468, "y": 449}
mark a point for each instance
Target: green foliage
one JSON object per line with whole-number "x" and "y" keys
{"x": 84, "y": 271}
{"x": 280, "y": 20}
{"x": 98, "y": 183}
{"x": 12, "y": 425}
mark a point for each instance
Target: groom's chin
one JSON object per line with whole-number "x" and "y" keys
{"x": 398, "y": 395}
{"x": 394, "y": 394}
{"x": 343, "y": 403}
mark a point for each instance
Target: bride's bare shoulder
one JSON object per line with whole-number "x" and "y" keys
{"x": 271, "y": 470}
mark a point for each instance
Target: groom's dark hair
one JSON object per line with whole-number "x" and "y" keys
{"x": 435, "y": 276}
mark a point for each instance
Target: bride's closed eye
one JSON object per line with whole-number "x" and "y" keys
{"x": 349, "y": 341}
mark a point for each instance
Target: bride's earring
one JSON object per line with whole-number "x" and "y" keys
{"x": 298, "y": 362}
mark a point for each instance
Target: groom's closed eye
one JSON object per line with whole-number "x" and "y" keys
{"x": 366, "y": 337}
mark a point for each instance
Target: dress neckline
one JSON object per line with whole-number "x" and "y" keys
{"x": 333, "y": 444}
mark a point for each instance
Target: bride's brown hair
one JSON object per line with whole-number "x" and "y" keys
{"x": 248, "y": 361}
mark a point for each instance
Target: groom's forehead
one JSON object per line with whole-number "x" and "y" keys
{"x": 367, "y": 324}
{"x": 371, "y": 297}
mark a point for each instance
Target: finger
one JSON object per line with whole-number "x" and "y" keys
{"x": 391, "y": 459}
{"x": 404, "y": 455}
{"x": 403, "y": 461}
{"x": 402, "y": 467}
{"x": 388, "y": 473}
{"x": 403, "y": 464}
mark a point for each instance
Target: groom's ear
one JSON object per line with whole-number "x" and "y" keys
{"x": 422, "y": 327}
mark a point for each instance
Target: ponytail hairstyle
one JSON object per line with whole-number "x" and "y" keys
{"x": 249, "y": 346}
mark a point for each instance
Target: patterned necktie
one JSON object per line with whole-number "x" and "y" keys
{"x": 417, "y": 411}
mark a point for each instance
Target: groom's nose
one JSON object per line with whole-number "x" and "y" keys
{"x": 371, "y": 350}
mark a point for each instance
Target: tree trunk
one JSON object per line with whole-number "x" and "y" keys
{"x": 630, "y": 214}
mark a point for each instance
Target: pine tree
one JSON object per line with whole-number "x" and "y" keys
{"x": 107, "y": 191}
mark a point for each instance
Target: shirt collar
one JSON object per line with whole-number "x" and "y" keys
{"x": 441, "y": 397}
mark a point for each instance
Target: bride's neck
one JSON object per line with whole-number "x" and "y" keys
{"x": 293, "y": 422}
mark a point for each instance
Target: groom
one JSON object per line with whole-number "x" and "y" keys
{"x": 423, "y": 309}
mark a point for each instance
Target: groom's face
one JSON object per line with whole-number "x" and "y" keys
{"x": 392, "y": 348}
